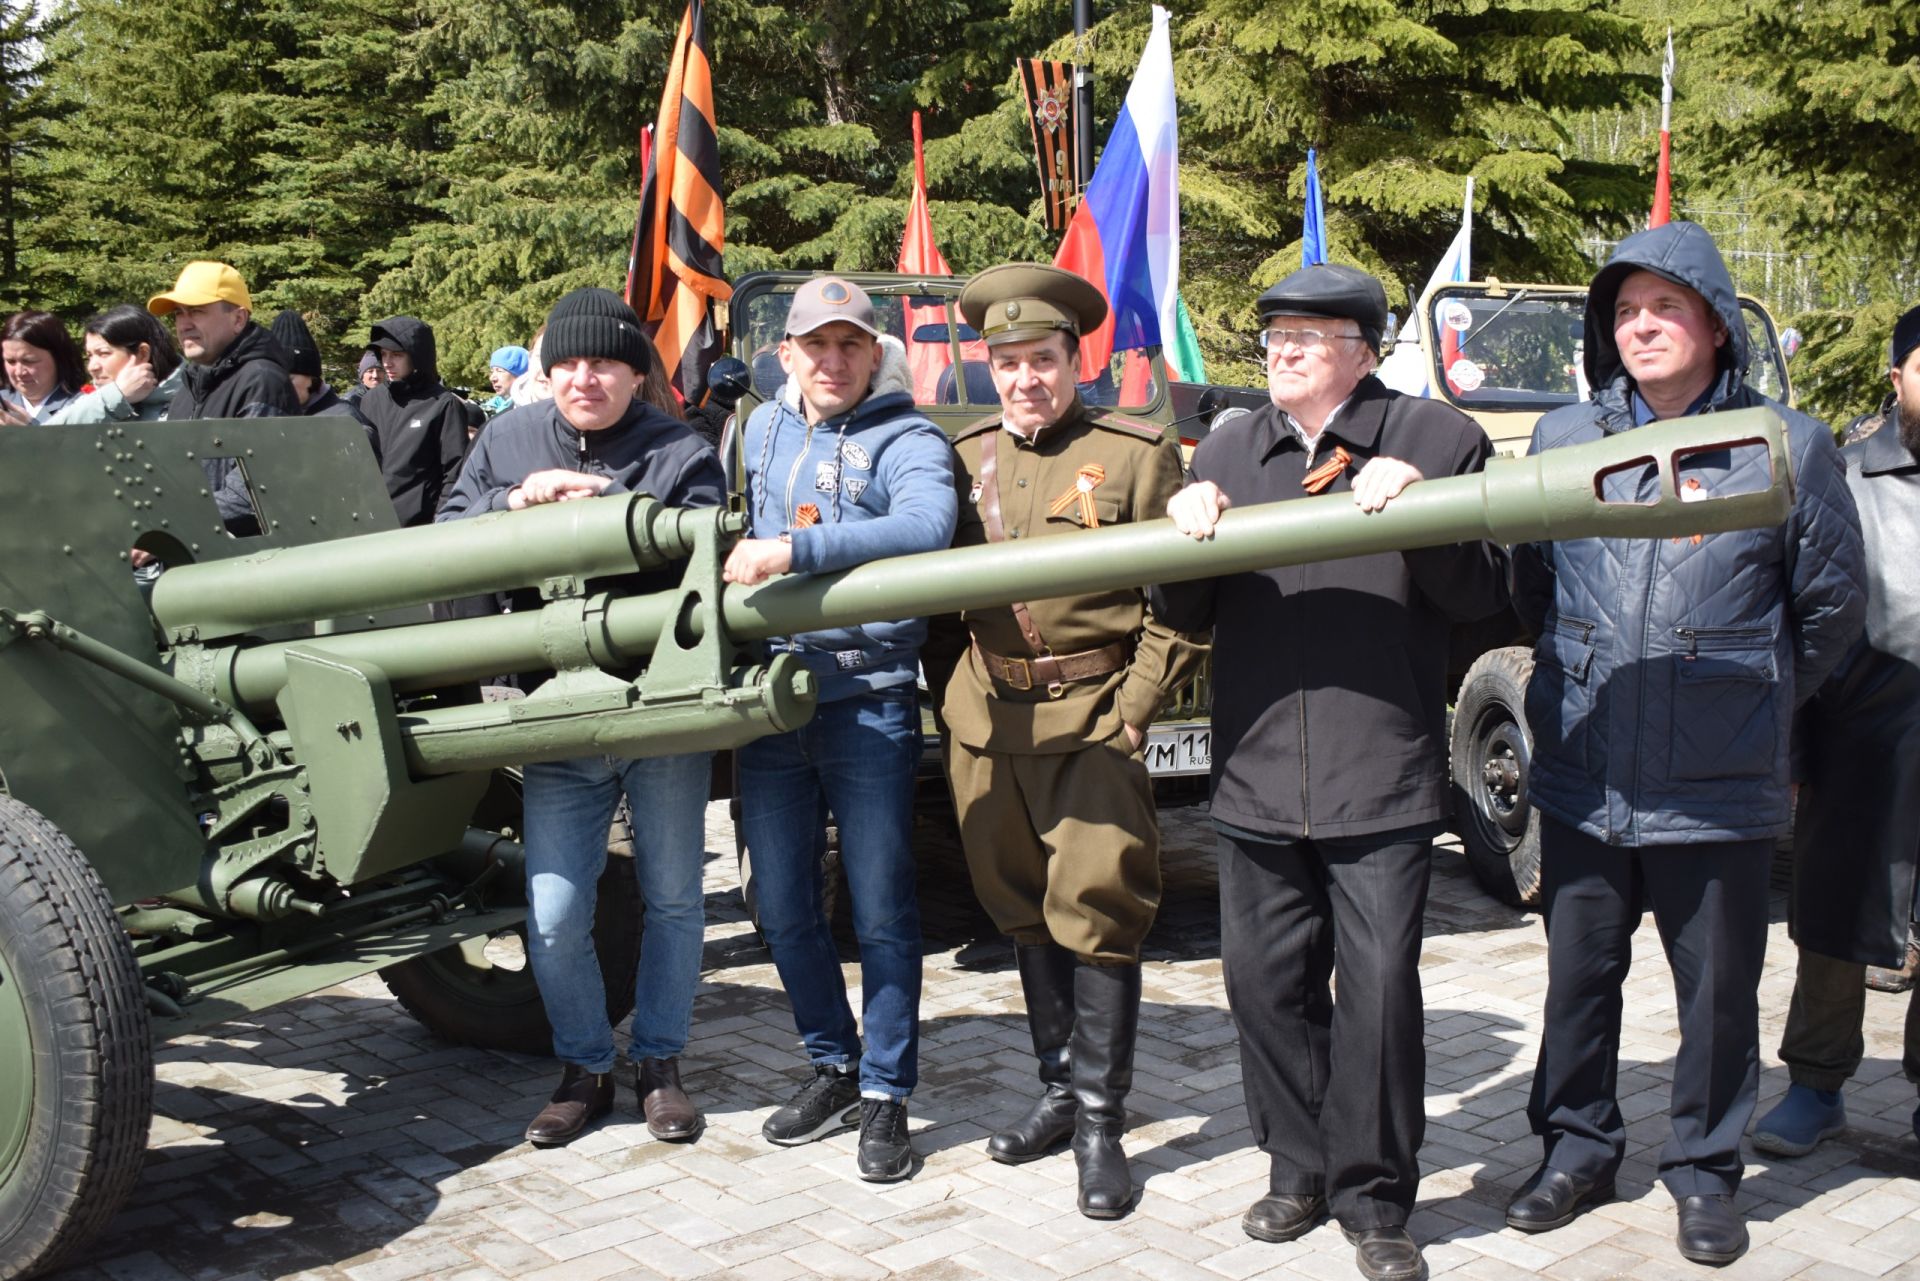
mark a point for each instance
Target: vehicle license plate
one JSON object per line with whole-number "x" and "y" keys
{"x": 1179, "y": 749}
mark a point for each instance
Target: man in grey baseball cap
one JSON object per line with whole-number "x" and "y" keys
{"x": 842, "y": 470}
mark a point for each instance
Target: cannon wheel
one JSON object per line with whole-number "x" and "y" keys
{"x": 76, "y": 1058}
{"x": 1491, "y": 755}
{"x": 482, "y": 992}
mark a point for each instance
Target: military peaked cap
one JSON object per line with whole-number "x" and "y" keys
{"x": 1025, "y": 300}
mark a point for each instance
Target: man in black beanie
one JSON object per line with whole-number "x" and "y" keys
{"x": 598, "y": 435}
{"x": 419, "y": 427}
{"x": 290, "y": 330}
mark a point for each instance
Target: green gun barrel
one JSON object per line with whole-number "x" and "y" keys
{"x": 374, "y": 572}
{"x": 1555, "y": 495}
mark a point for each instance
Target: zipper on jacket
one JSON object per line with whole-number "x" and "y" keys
{"x": 1715, "y": 636}
{"x": 800, "y": 459}
{"x": 1306, "y": 818}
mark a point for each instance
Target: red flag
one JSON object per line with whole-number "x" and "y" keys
{"x": 640, "y": 216}
{"x": 920, "y": 256}
{"x": 1663, "y": 180}
{"x": 677, "y": 270}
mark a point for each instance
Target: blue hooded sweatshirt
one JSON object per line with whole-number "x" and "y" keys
{"x": 880, "y": 478}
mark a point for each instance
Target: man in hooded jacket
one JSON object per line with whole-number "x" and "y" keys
{"x": 419, "y": 426}
{"x": 1666, "y": 676}
{"x": 841, "y": 470}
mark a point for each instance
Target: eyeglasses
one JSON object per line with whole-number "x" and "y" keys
{"x": 1304, "y": 339}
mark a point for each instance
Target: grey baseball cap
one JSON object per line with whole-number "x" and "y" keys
{"x": 825, "y": 299}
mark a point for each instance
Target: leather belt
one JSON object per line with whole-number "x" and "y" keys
{"x": 1053, "y": 670}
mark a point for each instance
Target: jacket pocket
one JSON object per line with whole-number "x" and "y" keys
{"x": 1106, "y": 510}
{"x": 1724, "y": 688}
{"x": 1558, "y": 702}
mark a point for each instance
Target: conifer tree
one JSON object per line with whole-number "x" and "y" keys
{"x": 1829, "y": 146}
{"x": 26, "y": 108}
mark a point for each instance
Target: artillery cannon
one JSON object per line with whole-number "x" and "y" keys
{"x": 246, "y": 782}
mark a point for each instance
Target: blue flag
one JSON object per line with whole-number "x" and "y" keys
{"x": 1313, "y": 227}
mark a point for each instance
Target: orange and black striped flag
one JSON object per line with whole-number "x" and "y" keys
{"x": 677, "y": 271}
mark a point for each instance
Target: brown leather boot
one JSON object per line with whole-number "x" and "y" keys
{"x": 671, "y": 1115}
{"x": 582, "y": 1098}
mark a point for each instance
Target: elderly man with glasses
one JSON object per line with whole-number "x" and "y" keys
{"x": 1329, "y": 764}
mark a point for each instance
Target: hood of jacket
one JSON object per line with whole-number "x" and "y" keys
{"x": 415, "y": 338}
{"x": 254, "y": 343}
{"x": 786, "y": 443}
{"x": 1685, "y": 254}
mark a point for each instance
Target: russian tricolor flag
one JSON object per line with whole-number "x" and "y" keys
{"x": 1125, "y": 236}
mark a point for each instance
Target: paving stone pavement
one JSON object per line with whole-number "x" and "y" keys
{"x": 333, "y": 1139}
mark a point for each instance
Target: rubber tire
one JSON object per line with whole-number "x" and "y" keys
{"x": 499, "y": 1008}
{"x": 92, "y": 1049}
{"x": 1490, "y": 708}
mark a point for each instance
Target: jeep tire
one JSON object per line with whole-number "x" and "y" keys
{"x": 1491, "y": 753}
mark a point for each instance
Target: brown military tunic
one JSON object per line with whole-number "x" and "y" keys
{"x": 1055, "y": 806}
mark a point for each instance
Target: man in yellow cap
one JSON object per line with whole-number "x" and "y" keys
{"x": 234, "y": 369}
{"x": 1047, "y": 711}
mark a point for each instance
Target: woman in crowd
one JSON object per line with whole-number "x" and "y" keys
{"x": 41, "y": 370}
{"x": 508, "y": 363}
{"x": 134, "y": 366}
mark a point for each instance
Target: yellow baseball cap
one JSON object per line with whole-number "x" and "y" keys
{"x": 201, "y": 283}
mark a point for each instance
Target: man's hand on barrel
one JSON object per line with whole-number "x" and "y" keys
{"x": 555, "y": 485}
{"x": 1196, "y": 509}
{"x": 1381, "y": 481}
{"x": 754, "y": 560}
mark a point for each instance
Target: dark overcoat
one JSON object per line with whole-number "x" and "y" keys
{"x": 1857, "y": 828}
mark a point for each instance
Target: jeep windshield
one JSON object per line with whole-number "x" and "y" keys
{"x": 1512, "y": 350}
{"x": 948, "y": 359}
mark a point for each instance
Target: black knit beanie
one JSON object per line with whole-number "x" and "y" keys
{"x": 593, "y": 322}
{"x": 303, "y": 353}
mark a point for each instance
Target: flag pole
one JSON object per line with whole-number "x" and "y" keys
{"x": 1663, "y": 177}
{"x": 1083, "y": 89}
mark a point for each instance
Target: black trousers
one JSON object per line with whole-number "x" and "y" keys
{"x": 1825, "y": 1041}
{"x": 1335, "y": 1090}
{"x": 1709, "y": 903}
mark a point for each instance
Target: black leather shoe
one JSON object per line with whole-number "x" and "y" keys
{"x": 1386, "y": 1254}
{"x": 582, "y": 1098}
{"x": 1283, "y": 1216}
{"x": 1711, "y": 1230}
{"x": 1042, "y": 1130}
{"x": 1553, "y": 1199}
{"x": 671, "y": 1115}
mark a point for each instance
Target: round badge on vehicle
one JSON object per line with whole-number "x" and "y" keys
{"x": 1458, "y": 316}
{"x": 1465, "y": 375}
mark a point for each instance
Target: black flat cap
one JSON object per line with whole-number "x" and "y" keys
{"x": 1327, "y": 289}
{"x": 1906, "y": 336}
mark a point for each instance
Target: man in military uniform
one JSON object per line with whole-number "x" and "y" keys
{"x": 1047, "y": 712}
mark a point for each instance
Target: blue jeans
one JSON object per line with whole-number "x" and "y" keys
{"x": 856, "y": 758}
{"x": 569, "y": 806}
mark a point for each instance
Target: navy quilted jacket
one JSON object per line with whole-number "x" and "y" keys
{"x": 1667, "y": 671}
